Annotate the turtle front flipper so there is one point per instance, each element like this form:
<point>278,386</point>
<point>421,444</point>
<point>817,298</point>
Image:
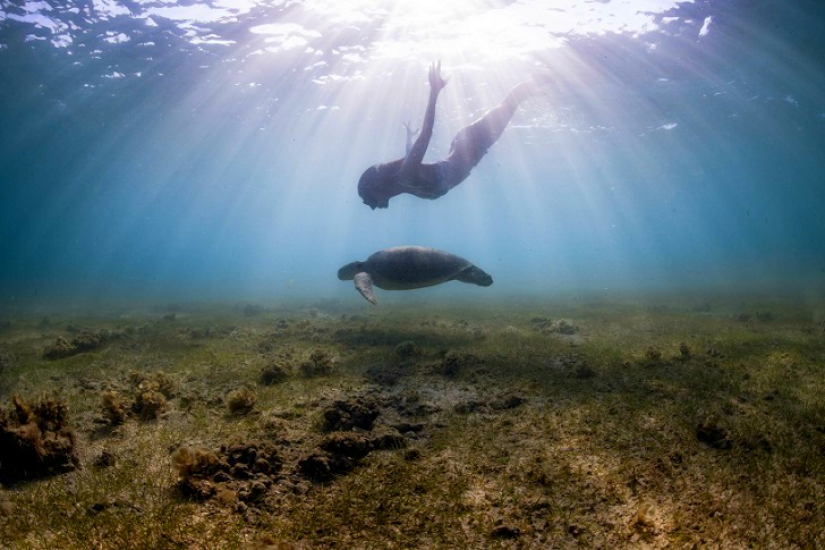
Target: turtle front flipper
<point>363,282</point>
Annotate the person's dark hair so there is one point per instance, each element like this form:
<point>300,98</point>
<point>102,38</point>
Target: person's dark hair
<point>368,187</point>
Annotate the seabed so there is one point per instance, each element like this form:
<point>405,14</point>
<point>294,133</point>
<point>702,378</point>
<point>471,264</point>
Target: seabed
<point>659,422</point>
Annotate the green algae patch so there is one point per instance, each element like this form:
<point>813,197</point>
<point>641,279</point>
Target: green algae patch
<point>588,422</point>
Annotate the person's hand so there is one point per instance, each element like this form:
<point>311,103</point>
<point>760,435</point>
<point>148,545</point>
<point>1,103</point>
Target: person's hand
<point>437,82</point>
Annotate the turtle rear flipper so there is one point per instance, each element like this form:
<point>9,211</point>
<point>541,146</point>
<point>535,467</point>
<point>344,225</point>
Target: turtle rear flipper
<point>363,282</point>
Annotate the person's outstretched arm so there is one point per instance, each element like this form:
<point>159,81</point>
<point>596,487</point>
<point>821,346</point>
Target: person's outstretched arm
<point>416,152</point>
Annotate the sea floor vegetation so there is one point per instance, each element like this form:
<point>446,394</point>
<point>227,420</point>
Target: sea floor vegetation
<point>593,422</point>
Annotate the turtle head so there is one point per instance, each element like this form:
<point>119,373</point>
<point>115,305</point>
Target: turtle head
<point>476,276</point>
<point>347,272</point>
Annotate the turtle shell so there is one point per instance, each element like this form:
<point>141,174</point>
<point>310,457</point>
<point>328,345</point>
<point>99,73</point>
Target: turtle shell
<point>408,267</point>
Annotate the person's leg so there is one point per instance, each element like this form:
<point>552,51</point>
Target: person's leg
<point>471,142</point>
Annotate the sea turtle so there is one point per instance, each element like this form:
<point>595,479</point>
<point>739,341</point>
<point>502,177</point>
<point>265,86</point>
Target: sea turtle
<point>408,267</point>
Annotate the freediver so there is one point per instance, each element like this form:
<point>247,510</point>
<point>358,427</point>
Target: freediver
<point>381,182</point>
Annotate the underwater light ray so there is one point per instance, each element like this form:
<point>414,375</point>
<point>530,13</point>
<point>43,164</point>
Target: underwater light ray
<point>713,115</point>
<point>79,153</point>
<point>642,162</point>
<point>239,131</point>
<point>299,170</point>
<point>178,186</point>
<point>562,192</point>
<point>250,179</point>
<point>321,179</point>
<point>311,134</point>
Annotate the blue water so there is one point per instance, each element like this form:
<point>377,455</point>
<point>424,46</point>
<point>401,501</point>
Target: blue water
<point>212,150</point>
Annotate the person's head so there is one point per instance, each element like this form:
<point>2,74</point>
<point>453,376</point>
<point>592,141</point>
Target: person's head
<point>371,190</point>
